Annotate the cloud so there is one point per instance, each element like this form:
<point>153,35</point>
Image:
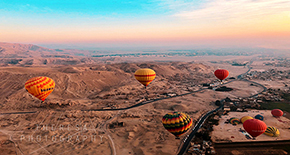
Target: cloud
<point>33,8</point>
<point>217,10</point>
<point>180,5</point>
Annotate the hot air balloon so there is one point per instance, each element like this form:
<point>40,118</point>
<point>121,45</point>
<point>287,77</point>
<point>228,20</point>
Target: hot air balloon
<point>255,127</point>
<point>259,117</point>
<point>145,76</point>
<point>40,87</point>
<point>277,112</point>
<point>221,74</point>
<point>234,121</point>
<point>272,131</point>
<point>243,119</point>
<point>177,123</point>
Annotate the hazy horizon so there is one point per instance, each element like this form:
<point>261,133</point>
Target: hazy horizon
<point>149,48</point>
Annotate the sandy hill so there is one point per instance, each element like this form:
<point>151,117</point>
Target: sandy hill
<point>83,84</point>
<point>79,88</point>
<point>32,55</point>
<point>134,131</point>
<point>14,50</point>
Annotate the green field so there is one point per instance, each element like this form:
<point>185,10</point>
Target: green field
<point>286,96</point>
<point>285,106</point>
<point>276,105</point>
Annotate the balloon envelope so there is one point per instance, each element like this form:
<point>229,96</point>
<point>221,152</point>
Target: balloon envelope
<point>243,119</point>
<point>272,131</point>
<point>277,112</point>
<point>234,121</point>
<point>40,87</point>
<point>259,117</point>
<point>255,127</point>
<point>221,73</point>
<point>177,123</point>
<point>145,76</point>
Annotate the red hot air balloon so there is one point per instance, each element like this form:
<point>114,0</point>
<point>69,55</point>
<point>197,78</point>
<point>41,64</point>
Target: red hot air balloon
<point>221,74</point>
<point>255,127</point>
<point>277,112</point>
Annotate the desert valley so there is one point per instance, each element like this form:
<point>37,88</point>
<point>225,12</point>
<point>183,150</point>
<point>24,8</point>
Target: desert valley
<point>99,108</point>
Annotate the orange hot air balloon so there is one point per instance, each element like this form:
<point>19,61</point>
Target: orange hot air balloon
<point>221,74</point>
<point>255,127</point>
<point>145,76</point>
<point>277,112</point>
<point>40,87</point>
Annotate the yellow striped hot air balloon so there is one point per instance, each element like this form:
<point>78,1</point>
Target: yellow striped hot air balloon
<point>177,123</point>
<point>145,76</point>
<point>272,131</point>
<point>40,87</point>
<point>243,119</point>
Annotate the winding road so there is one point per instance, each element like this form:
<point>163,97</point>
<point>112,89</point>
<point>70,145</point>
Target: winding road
<point>198,125</point>
<point>200,122</point>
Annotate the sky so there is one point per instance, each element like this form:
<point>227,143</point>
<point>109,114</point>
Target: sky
<point>152,23</point>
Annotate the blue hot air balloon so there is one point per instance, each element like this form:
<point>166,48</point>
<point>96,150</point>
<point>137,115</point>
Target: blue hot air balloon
<point>260,117</point>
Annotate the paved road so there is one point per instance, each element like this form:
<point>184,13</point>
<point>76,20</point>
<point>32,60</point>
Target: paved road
<point>21,112</point>
<point>145,102</point>
<point>200,122</point>
<point>195,129</point>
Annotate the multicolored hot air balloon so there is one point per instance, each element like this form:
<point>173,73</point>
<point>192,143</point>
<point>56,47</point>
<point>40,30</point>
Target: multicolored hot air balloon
<point>259,117</point>
<point>272,131</point>
<point>234,121</point>
<point>243,119</point>
<point>255,127</point>
<point>40,87</point>
<point>221,74</point>
<point>177,123</point>
<point>277,112</point>
<point>145,76</point>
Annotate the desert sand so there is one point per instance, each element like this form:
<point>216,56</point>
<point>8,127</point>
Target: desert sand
<point>84,114</point>
<point>233,134</point>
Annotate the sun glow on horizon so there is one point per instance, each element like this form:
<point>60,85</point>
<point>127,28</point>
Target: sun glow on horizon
<point>163,22</point>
